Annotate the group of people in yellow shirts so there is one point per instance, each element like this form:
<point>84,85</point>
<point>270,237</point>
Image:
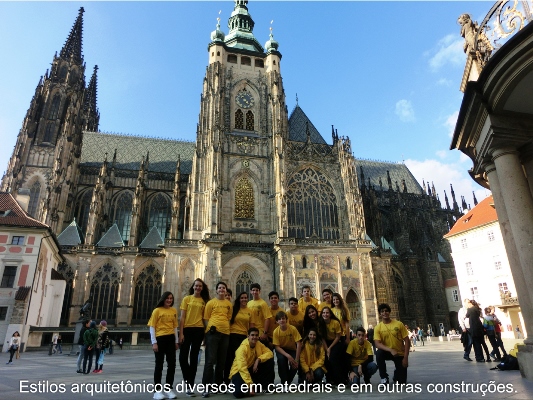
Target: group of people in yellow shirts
<point>310,339</point>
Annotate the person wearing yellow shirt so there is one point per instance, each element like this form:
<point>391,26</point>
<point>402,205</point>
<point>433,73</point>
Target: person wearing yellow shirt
<point>192,329</point>
<point>165,341</point>
<point>273,298</point>
<point>312,358</point>
<point>331,332</point>
<point>239,325</point>
<point>327,296</point>
<point>392,343</point>
<point>295,316</point>
<point>217,314</point>
<point>307,299</point>
<point>254,363</point>
<point>288,344</point>
<point>343,314</point>
<point>260,312</point>
<point>361,358</point>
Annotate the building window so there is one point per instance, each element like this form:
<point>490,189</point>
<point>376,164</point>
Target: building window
<point>122,214</point>
<point>159,214</point>
<point>232,58</point>
<point>490,234</point>
<point>239,119</point>
<point>244,199</point>
<point>35,192</point>
<point>54,108</point>
<point>503,287</point>
<point>348,263</point>
<point>469,269</point>
<point>82,209</point>
<point>497,263</point>
<point>474,293</point>
<point>17,240</point>
<point>250,121</point>
<point>243,283</point>
<point>104,293</point>
<point>8,279</point>
<point>259,63</point>
<point>3,313</point>
<point>455,295</point>
<point>304,262</point>
<point>246,61</point>
<point>49,132</point>
<point>147,292</point>
<point>463,244</point>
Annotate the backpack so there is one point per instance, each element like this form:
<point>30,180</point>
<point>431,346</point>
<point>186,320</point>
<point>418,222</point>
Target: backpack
<point>508,363</point>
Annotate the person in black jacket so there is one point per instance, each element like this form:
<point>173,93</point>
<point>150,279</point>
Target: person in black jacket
<point>90,337</point>
<point>85,326</point>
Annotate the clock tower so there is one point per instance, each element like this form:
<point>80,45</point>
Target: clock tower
<point>235,192</point>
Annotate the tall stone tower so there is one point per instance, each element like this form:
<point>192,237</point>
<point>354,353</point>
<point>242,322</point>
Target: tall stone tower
<point>48,148</point>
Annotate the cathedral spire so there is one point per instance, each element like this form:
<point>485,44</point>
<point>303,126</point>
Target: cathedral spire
<point>89,103</point>
<point>73,45</point>
<point>455,205</point>
<point>241,26</point>
<point>475,200</point>
<point>446,200</point>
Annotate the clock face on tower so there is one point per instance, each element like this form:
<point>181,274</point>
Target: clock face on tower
<point>244,99</point>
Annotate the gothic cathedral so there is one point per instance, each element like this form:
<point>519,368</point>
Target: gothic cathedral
<point>259,197</point>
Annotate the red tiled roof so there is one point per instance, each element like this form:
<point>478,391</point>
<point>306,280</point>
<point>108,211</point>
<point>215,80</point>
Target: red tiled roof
<point>481,214</point>
<point>16,216</point>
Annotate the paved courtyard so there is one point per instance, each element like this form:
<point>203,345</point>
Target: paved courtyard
<point>434,367</point>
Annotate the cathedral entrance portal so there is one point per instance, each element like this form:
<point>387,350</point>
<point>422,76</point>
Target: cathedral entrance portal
<point>354,305</point>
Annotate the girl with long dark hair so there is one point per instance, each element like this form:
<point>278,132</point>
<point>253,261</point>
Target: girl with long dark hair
<point>165,341</point>
<point>312,358</point>
<point>331,332</point>
<point>340,310</point>
<point>192,330</point>
<point>14,344</point>
<point>239,325</point>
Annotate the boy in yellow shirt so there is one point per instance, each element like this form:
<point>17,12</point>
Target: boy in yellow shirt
<point>392,343</point>
<point>306,299</point>
<point>361,358</point>
<point>260,312</point>
<point>273,298</point>
<point>288,344</point>
<point>254,363</point>
<point>295,316</point>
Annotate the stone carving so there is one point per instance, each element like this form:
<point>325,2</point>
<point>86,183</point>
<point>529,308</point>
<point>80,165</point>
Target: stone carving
<point>244,199</point>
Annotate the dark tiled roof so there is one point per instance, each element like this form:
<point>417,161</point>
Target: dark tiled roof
<point>56,276</point>
<point>111,238</point>
<point>71,236</point>
<point>378,169</point>
<point>298,123</point>
<point>16,216</point>
<point>152,240</point>
<point>131,149</point>
<point>22,293</point>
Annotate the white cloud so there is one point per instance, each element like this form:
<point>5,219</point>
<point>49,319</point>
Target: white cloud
<point>442,153</point>
<point>450,123</point>
<point>449,50</point>
<point>404,110</point>
<point>444,82</point>
<point>463,158</point>
<point>442,175</point>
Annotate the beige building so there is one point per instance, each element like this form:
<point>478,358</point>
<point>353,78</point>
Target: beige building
<point>31,290</point>
<point>495,129</point>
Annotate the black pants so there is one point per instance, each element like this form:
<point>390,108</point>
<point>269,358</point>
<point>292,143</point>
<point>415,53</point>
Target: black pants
<point>400,374</point>
<point>166,346</point>
<point>89,354</point>
<point>334,363</point>
<point>235,341</point>
<point>216,350</point>
<point>264,376</point>
<point>285,371</point>
<point>495,347</point>
<point>189,350</point>
<point>12,352</point>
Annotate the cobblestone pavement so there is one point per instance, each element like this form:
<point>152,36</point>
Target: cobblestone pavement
<point>436,369</point>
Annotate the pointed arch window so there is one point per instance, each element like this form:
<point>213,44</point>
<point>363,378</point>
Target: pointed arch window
<point>243,283</point>
<point>304,262</point>
<point>103,294</point>
<point>312,206</point>
<point>82,209</point>
<point>66,271</point>
<point>249,121</point>
<point>244,199</point>
<point>122,214</point>
<point>147,292</point>
<point>49,132</point>
<point>35,193</point>
<point>54,108</point>
<point>159,214</point>
<point>348,263</point>
<point>239,119</point>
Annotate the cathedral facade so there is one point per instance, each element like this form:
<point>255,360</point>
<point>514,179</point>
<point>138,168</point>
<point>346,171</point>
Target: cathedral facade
<point>259,197</point>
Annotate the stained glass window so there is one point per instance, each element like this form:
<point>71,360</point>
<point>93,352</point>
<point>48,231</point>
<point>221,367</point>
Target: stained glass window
<point>249,121</point>
<point>35,192</point>
<point>159,214</point>
<point>243,283</point>
<point>104,293</point>
<point>147,293</point>
<point>122,214</point>
<point>239,119</point>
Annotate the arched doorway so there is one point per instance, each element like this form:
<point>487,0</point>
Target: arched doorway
<point>354,305</point>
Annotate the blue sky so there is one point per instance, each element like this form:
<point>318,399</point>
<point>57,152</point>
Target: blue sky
<point>386,74</point>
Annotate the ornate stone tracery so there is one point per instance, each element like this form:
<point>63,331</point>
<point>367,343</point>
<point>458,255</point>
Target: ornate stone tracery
<point>148,286</point>
<point>244,199</point>
<point>104,293</point>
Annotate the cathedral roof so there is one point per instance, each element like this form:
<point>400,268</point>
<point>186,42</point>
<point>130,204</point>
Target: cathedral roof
<point>71,236</point>
<point>298,123</point>
<point>378,169</point>
<point>152,240</point>
<point>111,238</point>
<point>131,150</point>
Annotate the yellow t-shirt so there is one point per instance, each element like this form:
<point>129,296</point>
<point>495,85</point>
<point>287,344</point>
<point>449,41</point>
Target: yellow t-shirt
<point>194,308</point>
<point>302,304</point>
<point>260,312</point>
<point>324,304</point>
<point>333,328</point>
<point>218,313</point>
<point>286,339</point>
<point>309,360</point>
<point>273,324</point>
<point>242,322</point>
<point>391,335</point>
<point>338,314</point>
<point>359,352</point>
<point>297,320</point>
<point>245,357</point>
<point>164,320</point>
